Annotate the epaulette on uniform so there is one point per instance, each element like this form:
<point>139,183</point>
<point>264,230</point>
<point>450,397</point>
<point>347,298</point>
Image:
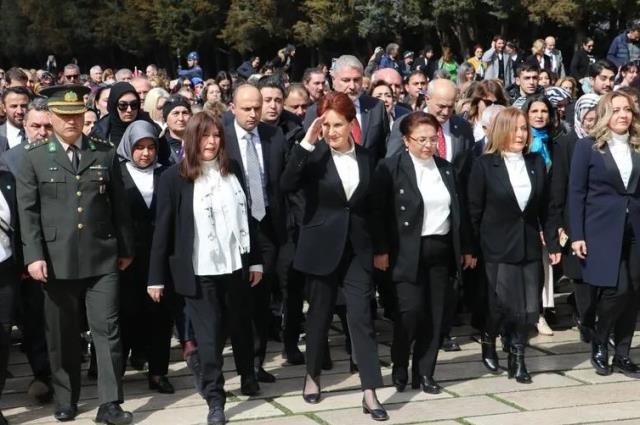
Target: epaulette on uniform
<point>103,141</point>
<point>30,146</point>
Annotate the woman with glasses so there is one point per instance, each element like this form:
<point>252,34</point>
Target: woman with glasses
<point>123,107</point>
<point>484,95</point>
<point>506,204</point>
<point>582,59</point>
<point>418,228</point>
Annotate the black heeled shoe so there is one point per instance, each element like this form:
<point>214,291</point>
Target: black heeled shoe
<point>600,359</point>
<point>429,385</point>
<point>489,355</point>
<point>376,414</point>
<point>517,368</point>
<point>626,366</point>
<point>162,385</point>
<point>399,377</point>
<point>313,398</point>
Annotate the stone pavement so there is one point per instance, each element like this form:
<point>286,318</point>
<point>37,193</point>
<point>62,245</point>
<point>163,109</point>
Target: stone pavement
<point>565,390</point>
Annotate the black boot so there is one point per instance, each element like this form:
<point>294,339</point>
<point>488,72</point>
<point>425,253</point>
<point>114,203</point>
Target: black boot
<point>600,359</point>
<point>489,355</point>
<point>517,368</point>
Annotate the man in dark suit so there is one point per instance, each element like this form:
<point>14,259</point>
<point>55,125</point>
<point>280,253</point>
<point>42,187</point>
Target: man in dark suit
<point>37,128</point>
<point>76,248</point>
<point>288,302</point>
<point>372,126</point>
<point>15,101</point>
<point>258,149</point>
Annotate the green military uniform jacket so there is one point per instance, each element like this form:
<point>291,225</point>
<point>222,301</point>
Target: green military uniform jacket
<point>78,222</point>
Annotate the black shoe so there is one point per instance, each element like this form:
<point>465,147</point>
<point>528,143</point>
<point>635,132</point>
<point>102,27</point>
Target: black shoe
<point>353,367</point>
<point>112,414</point>
<point>626,366</point>
<point>489,355</point>
<point>399,377</point>
<point>448,344</point>
<point>327,363</point>
<point>429,385</point>
<point>41,390</point>
<point>600,359</point>
<point>294,356</point>
<point>313,398</point>
<point>264,376</point>
<point>66,413</point>
<point>249,385</point>
<point>3,420</point>
<point>216,416</point>
<point>162,385</point>
<point>376,414</point>
<point>516,367</point>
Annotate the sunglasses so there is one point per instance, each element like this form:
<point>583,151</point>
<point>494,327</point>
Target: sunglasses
<point>72,77</point>
<point>487,102</point>
<point>134,105</point>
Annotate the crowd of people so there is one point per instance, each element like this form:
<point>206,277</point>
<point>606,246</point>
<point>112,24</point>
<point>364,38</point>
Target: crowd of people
<point>139,207</point>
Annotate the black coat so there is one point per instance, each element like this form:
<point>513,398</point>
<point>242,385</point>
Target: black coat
<point>580,64</point>
<point>505,232</point>
<point>171,259</point>
<point>273,153</point>
<point>533,60</point>
<point>8,189</point>
<point>398,212</point>
<point>330,220</point>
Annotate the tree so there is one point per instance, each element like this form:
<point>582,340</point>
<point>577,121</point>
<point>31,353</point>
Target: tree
<point>386,20</point>
<point>250,25</point>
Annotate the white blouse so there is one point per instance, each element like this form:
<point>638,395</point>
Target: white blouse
<point>143,179</point>
<point>518,177</point>
<point>621,152</point>
<point>347,165</point>
<point>435,197</point>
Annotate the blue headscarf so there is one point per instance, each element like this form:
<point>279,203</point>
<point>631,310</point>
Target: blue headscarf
<point>539,144</point>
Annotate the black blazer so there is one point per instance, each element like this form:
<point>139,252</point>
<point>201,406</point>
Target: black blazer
<point>599,207</point>
<point>8,189</point>
<point>533,60</point>
<point>398,212</point>
<point>506,233</point>
<point>172,247</point>
<point>374,126</point>
<point>330,220</point>
<point>273,153</point>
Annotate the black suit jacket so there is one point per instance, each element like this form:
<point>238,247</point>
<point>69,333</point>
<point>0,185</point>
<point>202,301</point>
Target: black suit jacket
<point>533,60</point>
<point>8,189</point>
<point>462,142</point>
<point>330,220</point>
<point>374,125</point>
<point>505,232</point>
<point>273,154</point>
<point>171,258</point>
<point>398,212</point>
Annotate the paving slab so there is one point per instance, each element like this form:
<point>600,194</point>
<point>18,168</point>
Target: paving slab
<point>500,384</point>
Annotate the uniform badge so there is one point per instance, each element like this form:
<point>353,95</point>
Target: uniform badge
<point>70,96</point>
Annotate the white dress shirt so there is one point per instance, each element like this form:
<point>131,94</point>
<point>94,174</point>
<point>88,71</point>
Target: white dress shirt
<point>143,179</point>
<point>347,165</point>
<point>13,135</point>
<point>518,177</point>
<point>435,197</point>
<point>5,241</point>
<point>216,248</point>
<point>242,142</point>
<point>65,147</point>
<point>619,147</point>
<point>446,130</point>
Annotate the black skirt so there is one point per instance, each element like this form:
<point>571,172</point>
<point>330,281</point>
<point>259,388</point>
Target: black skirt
<point>516,288</point>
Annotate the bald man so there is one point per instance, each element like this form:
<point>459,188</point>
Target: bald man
<point>258,149</point>
<point>142,86</point>
<point>394,80</point>
<point>557,66</point>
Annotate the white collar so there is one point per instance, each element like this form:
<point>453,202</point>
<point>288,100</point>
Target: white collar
<point>350,152</point>
<point>65,146</point>
<point>241,132</point>
<point>422,163</point>
<point>513,156</point>
<point>619,139</point>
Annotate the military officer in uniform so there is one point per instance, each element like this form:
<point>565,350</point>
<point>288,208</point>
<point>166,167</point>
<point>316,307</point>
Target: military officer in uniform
<point>76,235</point>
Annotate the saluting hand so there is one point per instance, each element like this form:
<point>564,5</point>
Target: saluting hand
<point>155,293</point>
<point>38,271</point>
<point>314,131</point>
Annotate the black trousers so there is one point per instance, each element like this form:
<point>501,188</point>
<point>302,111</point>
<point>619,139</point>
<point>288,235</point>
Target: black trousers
<point>357,289</point>
<point>146,326</point>
<point>421,306</point>
<point>292,289</point>
<point>34,340</point>
<point>586,297</point>
<point>220,300</point>
<point>63,312</point>
<point>9,282</point>
<point>617,307</point>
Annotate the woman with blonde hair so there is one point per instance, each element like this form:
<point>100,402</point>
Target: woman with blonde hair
<point>153,104</point>
<point>538,57</point>
<point>604,195</point>
<point>506,205</point>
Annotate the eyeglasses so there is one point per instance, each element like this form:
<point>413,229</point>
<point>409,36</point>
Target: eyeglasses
<point>72,77</point>
<point>424,140</point>
<point>134,105</point>
<point>488,102</point>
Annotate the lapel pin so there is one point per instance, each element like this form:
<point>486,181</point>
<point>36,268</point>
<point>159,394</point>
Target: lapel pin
<point>8,187</point>
<point>447,171</point>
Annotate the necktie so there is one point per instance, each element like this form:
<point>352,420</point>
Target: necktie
<point>356,131</point>
<point>23,136</point>
<point>254,178</point>
<point>442,144</point>
<point>75,158</point>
